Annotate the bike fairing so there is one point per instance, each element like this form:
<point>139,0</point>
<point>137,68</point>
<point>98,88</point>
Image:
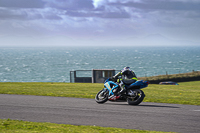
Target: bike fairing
<point>132,99</point>
<point>108,84</point>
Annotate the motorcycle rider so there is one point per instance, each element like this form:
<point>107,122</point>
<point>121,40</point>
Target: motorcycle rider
<point>127,75</point>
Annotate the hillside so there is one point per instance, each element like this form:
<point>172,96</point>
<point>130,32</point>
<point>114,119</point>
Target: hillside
<point>182,77</point>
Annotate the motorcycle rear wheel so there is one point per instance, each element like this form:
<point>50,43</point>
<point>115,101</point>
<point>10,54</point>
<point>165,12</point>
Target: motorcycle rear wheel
<point>137,99</point>
<point>102,96</point>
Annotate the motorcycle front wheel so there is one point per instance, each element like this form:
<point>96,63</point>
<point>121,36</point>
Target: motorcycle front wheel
<point>137,99</point>
<point>102,96</point>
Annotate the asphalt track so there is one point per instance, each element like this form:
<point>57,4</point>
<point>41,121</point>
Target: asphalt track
<point>80,111</point>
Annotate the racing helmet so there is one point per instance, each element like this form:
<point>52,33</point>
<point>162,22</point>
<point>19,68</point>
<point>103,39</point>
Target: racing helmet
<point>126,68</point>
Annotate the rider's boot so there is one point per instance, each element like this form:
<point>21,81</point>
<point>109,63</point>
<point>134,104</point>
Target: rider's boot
<point>123,89</point>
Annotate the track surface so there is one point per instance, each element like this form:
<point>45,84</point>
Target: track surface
<point>78,111</point>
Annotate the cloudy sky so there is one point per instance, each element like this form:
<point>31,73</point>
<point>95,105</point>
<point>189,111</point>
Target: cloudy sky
<point>99,23</point>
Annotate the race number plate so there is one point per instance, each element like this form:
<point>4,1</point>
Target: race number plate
<point>108,86</point>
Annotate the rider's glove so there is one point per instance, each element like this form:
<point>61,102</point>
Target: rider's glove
<point>112,78</point>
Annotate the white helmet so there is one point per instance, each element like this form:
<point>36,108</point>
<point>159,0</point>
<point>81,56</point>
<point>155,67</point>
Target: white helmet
<point>126,68</point>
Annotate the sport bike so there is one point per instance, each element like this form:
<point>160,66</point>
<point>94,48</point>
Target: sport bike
<point>133,94</point>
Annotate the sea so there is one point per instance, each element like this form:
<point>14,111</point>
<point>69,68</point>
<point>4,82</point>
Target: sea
<point>53,64</point>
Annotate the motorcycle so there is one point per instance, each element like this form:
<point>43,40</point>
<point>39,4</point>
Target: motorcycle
<point>133,94</point>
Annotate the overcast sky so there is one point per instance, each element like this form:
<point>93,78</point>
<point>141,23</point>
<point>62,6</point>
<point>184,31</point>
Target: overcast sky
<point>99,23</point>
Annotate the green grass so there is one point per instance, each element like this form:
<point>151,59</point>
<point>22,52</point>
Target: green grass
<point>184,93</point>
<point>16,126</point>
<point>79,90</point>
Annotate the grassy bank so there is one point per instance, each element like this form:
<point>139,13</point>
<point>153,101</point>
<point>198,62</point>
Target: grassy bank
<point>181,77</point>
<point>184,93</point>
<point>15,126</point>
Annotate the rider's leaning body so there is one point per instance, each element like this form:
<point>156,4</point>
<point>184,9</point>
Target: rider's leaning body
<point>127,75</point>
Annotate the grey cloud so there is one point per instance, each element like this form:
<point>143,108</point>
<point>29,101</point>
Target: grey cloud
<point>164,13</point>
<point>10,14</point>
<point>70,4</point>
<point>27,14</point>
<point>22,3</point>
<point>59,4</point>
<point>52,17</point>
<point>74,8</point>
<point>85,8</point>
<point>98,14</point>
<point>116,15</point>
<point>194,14</point>
<point>161,5</point>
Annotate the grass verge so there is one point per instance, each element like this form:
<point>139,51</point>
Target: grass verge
<point>182,76</point>
<point>184,93</point>
<point>15,126</point>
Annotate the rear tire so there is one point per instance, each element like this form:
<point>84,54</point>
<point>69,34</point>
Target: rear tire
<point>102,96</point>
<point>138,99</point>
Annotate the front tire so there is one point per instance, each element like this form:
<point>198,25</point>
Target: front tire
<point>136,99</point>
<point>102,96</point>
